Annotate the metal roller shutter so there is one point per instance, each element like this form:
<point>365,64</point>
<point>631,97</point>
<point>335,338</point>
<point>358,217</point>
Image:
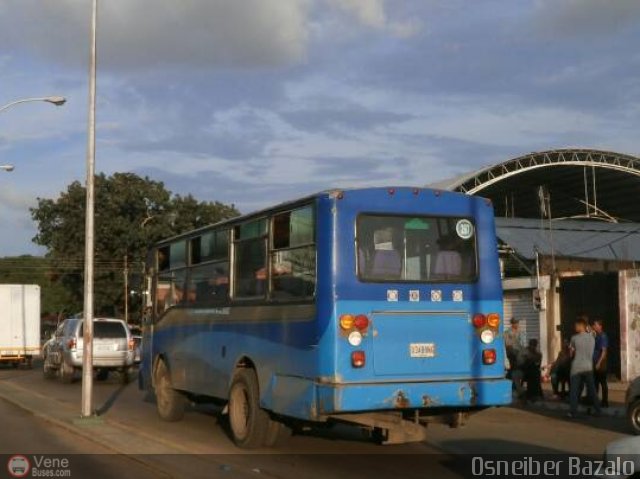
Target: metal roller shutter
<point>519,304</point>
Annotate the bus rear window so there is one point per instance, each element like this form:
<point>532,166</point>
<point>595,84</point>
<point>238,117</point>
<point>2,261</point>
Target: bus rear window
<point>416,249</point>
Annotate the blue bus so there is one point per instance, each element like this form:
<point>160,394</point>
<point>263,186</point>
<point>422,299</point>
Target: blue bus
<point>380,307</point>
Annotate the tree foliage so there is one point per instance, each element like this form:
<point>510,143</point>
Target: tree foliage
<point>36,270</point>
<point>131,213</point>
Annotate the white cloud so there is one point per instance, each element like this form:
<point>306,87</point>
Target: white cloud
<point>141,33</point>
<point>586,17</point>
<point>373,14</point>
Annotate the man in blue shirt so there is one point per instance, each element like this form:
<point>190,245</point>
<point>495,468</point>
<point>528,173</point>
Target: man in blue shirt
<point>600,353</point>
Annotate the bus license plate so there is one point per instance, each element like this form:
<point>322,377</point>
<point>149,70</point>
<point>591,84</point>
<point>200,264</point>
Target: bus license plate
<point>422,350</point>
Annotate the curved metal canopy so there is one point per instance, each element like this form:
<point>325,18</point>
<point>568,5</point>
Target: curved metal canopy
<point>578,183</point>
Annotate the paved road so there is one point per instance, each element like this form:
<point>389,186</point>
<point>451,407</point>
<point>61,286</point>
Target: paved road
<point>339,452</point>
<point>24,434</point>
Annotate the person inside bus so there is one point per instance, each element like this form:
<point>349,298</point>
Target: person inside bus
<point>448,263</point>
<point>385,261</point>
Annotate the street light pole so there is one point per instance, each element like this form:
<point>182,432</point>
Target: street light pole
<point>87,355</point>
<point>55,100</point>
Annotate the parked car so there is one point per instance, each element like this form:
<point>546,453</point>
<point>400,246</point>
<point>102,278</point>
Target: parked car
<point>622,458</point>
<point>632,400</point>
<point>113,349</point>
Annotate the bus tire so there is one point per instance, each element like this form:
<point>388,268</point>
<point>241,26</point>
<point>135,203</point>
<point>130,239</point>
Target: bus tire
<point>248,422</point>
<point>170,404</point>
<point>633,415</point>
<point>277,434</point>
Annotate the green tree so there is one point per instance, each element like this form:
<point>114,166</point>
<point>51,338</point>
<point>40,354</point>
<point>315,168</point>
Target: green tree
<point>131,214</point>
<point>36,270</point>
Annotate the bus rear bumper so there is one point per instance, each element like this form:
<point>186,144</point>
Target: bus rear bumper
<point>341,398</point>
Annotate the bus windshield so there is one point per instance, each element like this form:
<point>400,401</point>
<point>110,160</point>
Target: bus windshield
<point>416,249</point>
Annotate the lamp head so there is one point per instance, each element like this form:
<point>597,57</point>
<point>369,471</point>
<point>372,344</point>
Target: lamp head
<point>56,100</point>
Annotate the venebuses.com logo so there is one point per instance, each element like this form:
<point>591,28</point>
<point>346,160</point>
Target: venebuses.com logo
<point>18,466</point>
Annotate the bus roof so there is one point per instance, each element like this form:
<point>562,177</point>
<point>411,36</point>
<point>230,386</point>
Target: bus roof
<point>287,204</point>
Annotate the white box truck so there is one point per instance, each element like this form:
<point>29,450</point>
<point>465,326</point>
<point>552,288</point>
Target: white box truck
<point>19,323</point>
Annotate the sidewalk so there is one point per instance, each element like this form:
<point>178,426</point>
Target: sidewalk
<point>614,410</point>
<point>616,407</point>
<point>155,453</point>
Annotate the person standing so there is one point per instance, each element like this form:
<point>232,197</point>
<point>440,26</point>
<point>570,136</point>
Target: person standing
<point>514,344</point>
<point>560,372</point>
<point>531,368</point>
<point>600,354</point>
<point>582,349</point>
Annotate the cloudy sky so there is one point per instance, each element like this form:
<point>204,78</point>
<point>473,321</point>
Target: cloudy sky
<point>256,101</point>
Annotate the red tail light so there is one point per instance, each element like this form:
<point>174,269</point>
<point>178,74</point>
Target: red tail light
<point>132,344</point>
<point>71,344</point>
<point>489,356</point>
<point>479,320</point>
<point>361,322</point>
<point>358,359</point>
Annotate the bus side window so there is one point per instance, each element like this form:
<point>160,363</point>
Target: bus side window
<point>209,283</point>
<point>170,290</point>
<point>293,255</point>
<point>250,259</point>
<point>209,272</point>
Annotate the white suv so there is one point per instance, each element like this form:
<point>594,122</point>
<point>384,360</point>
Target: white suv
<point>113,349</point>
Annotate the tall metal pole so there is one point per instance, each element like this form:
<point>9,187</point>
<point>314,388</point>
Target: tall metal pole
<point>126,290</point>
<point>87,355</point>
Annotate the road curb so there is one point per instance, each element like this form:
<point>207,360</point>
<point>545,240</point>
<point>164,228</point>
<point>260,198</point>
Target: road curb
<point>69,426</point>
<point>107,433</point>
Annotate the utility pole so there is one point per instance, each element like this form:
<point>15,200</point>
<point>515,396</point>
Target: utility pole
<point>126,290</point>
<point>87,351</point>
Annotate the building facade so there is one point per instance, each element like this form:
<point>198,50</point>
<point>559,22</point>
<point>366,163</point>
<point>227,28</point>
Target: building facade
<point>568,227</point>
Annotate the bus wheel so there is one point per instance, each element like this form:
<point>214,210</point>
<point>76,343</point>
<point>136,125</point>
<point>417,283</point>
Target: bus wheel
<point>277,434</point>
<point>170,403</point>
<point>249,423</point>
